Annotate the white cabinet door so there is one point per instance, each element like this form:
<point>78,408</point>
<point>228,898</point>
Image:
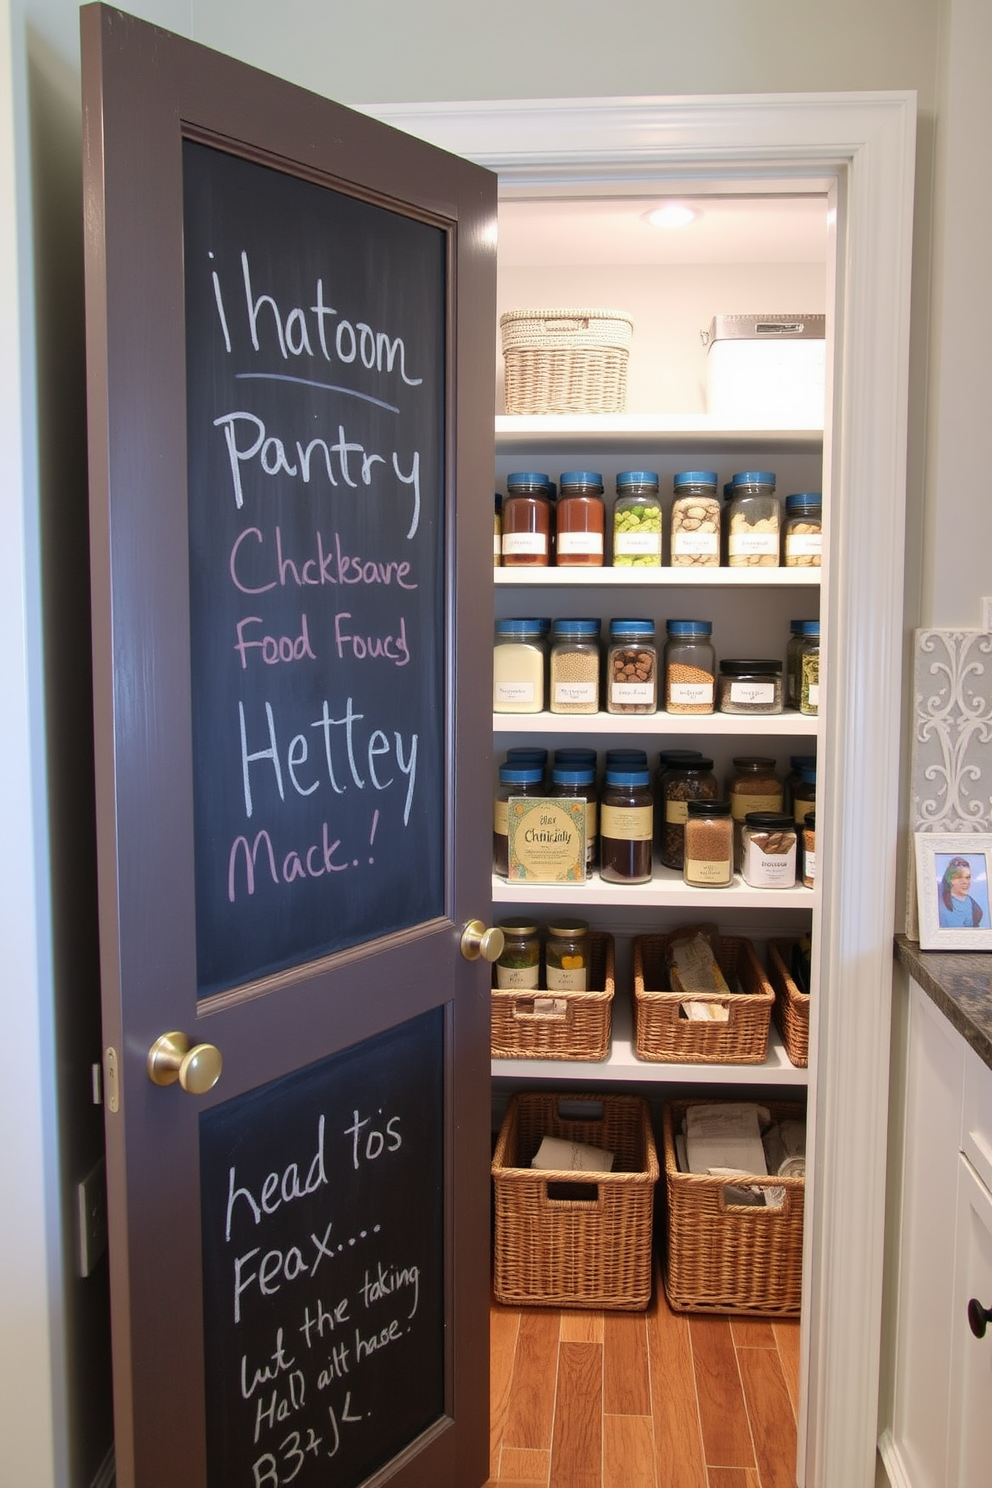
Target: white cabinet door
<point>971,1383</point>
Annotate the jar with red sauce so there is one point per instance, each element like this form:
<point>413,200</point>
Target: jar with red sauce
<point>581,520</point>
<point>527,520</point>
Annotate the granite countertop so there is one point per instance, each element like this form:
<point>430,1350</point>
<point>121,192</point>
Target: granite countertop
<point>960,983</point>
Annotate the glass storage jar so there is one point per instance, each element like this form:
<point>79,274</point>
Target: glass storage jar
<point>695,520</point>
<point>580,523</point>
<point>708,862</point>
<point>514,780</point>
<point>519,656</point>
<point>752,687</point>
<point>802,530</point>
<point>809,670</point>
<point>792,661</point>
<point>753,520</point>
<point>527,520</point>
<point>626,827</point>
<point>753,785</point>
<point>520,964</point>
<point>797,762</point>
<point>574,669</point>
<point>690,666</point>
<point>566,956</point>
<point>498,531</point>
<point>574,781</point>
<point>692,780</point>
<point>637,520</point>
<point>632,667</point>
<point>809,849</point>
<point>768,850</point>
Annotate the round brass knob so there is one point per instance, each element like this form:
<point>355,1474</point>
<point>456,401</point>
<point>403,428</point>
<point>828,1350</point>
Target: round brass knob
<point>478,940</point>
<point>197,1067</point>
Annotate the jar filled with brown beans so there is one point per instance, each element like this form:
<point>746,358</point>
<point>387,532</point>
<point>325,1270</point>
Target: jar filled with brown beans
<point>632,667</point>
<point>690,667</point>
<point>695,520</point>
<point>690,780</point>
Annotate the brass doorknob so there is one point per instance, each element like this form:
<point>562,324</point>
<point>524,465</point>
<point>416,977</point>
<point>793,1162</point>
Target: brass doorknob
<point>197,1067</point>
<point>478,940</point>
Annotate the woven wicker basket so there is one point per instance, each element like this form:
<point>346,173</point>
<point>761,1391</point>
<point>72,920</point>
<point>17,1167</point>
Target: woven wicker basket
<point>662,1033</point>
<point>565,361</point>
<point>791,1011</point>
<point>723,1257</point>
<point>578,1024</point>
<point>580,1239</point>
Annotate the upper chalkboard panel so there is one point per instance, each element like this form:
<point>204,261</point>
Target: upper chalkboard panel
<point>315,326</point>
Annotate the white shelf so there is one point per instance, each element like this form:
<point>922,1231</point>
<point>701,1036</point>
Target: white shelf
<point>658,578</point>
<point>775,725</point>
<point>622,1065</point>
<point>609,430</point>
<point>667,889</point>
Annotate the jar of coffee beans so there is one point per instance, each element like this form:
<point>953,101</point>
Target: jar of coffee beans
<point>632,667</point>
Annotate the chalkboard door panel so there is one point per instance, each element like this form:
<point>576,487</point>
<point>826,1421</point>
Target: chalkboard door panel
<point>290,325</point>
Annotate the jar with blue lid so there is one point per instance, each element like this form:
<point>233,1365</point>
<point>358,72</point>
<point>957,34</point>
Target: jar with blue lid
<point>575,666</point>
<point>802,531</point>
<point>637,520</point>
<point>695,520</point>
<point>626,827</point>
<point>690,667</point>
<point>527,520</point>
<point>514,780</point>
<point>753,521</point>
<point>577,782</point>
<point>519,659</point>
<point>580,525</point>
<point>632,667</point>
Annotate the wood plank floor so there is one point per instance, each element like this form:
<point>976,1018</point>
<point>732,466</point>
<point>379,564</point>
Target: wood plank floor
<point>642,1400</point>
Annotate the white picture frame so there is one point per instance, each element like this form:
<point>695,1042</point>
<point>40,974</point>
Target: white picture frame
<point>952,884</point>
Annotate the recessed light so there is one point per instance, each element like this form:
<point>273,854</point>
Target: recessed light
<point>671,214</point>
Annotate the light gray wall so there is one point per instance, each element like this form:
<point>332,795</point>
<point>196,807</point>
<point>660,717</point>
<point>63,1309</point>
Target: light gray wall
<point>378,50</point>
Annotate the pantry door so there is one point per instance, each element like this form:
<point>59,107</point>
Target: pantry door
<point>290,312</point>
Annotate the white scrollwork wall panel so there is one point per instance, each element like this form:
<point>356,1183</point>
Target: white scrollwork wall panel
<point>952,731</point>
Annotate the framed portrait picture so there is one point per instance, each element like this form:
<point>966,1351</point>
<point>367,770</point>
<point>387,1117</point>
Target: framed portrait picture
<point>952,884</point>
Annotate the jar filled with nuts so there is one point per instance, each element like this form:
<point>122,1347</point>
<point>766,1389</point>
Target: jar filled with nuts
<point>768,850</point>
<point>691,780</point>
<point>574,666</point>
<point>753,521</point>
<point>802,531</point>
<point>632,667</point>
<point>690,667</point>
<point>695,520</point>
<point>709,852</point>
<point>637,520</point>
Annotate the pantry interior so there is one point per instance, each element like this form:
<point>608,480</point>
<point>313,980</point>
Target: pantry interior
<point>833,173</point>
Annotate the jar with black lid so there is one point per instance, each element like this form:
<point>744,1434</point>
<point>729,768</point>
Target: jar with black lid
<point>527,755</point>
<point>519,966</point>
<point>626,827</point>
<point>690,780</point>
<point>708,860</point>
<point>632,667</point>
<point>514,780</point>
<point>580,524</point>
<point>527,520</point>
<point>575,666</point>
<point>695,520</point>
<point>576,782</point>
<point>637,520</point>
<point>750,687</point>
<point>753,521</point>
<point>690,667</point>
<point>802,531</point>
<point>768,850</point>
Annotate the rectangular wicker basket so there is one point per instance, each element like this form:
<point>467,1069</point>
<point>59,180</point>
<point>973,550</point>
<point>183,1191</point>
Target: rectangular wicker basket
<point>574,1239</point>
<point>662,1033</point>
<point>791,1011</point>
<point>722,1257</point>
<point>576,1025</point>
<point>565,361</point>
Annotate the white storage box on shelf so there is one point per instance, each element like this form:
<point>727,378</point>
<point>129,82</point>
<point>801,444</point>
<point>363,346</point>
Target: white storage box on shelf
<point>766,370</point>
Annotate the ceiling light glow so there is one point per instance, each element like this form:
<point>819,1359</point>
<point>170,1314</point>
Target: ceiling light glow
<point>671,214</point>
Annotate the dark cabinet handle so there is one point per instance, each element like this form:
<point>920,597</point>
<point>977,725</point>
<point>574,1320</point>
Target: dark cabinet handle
<point>978,1316</point>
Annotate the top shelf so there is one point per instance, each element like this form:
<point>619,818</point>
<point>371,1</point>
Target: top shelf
<point>567,431</point>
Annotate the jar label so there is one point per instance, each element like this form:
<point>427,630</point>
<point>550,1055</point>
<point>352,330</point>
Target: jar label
<point>576,692</point>
<point>741,804</point>
<point>743,543</point>
<point>525,542</point>
<point>512,978</point>
<point>637,543</point>
<point>628,823</point>
<point>677,812</point>
<point>764,870</point>
<point>695,542</point>
<point>802,809</point>
<point>809,866</point>
<point>501,816</point>
<point>580,542</point>
<point>631,692</point>
<point>691,694</point>
<point>514,692</point>
<point>706,871</point>
<point>561,979</point>
<point>803,544</point>
<point>756,694</point>
<point>813,696</point>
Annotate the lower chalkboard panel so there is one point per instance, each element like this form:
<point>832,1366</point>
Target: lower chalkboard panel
<point>322,1219</point>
